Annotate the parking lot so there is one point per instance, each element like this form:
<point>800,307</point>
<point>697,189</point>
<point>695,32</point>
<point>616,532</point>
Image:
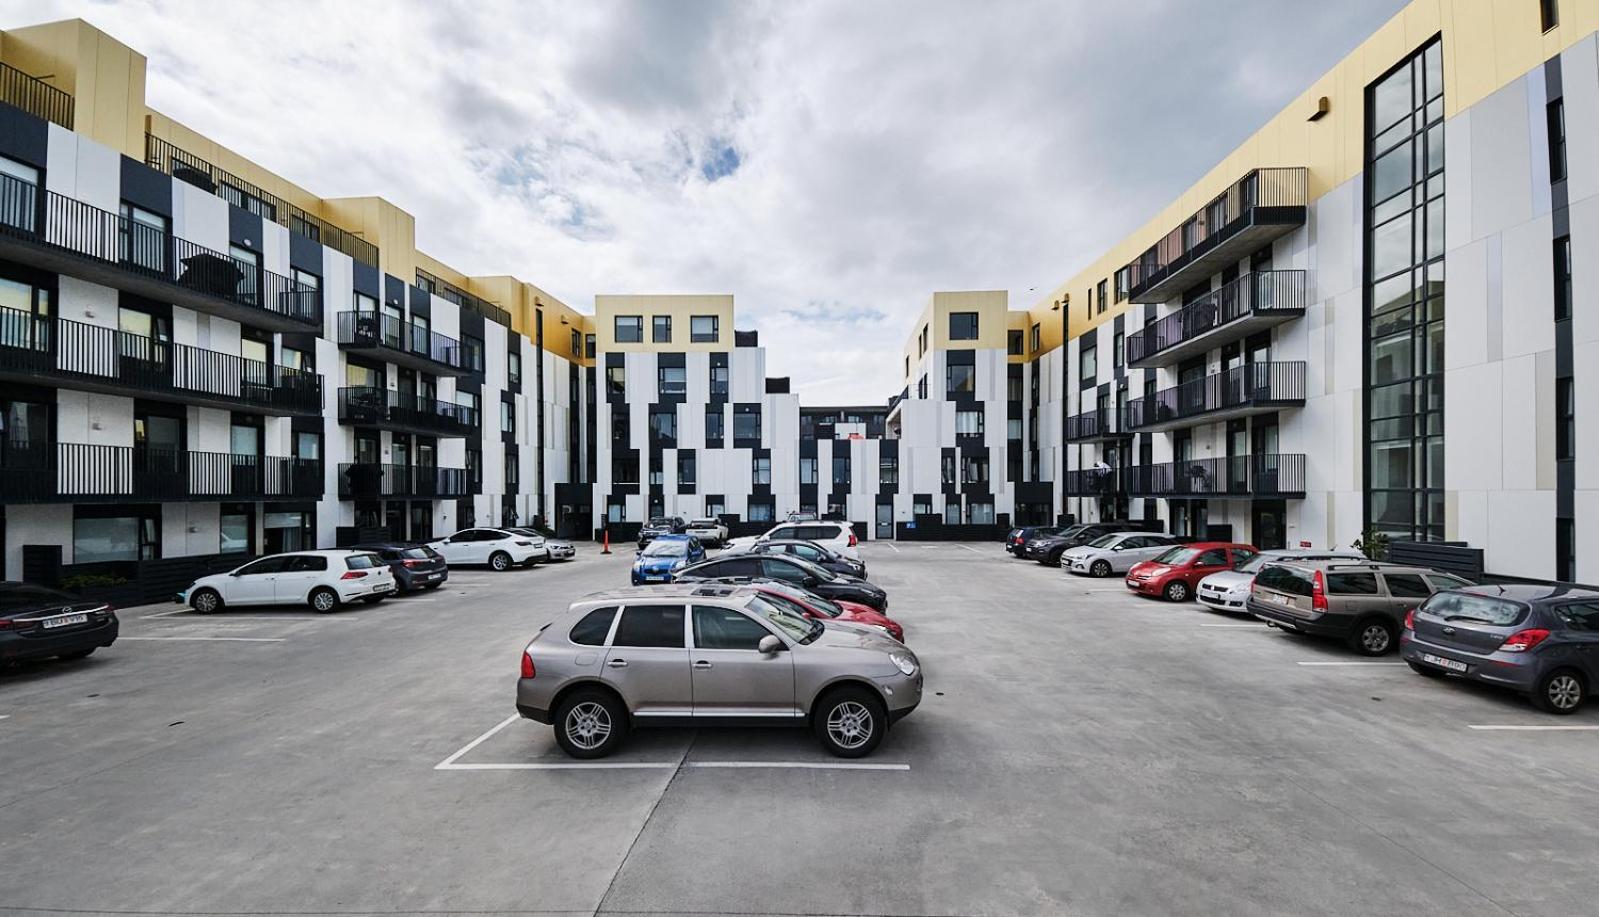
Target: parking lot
<point>1078,751</point>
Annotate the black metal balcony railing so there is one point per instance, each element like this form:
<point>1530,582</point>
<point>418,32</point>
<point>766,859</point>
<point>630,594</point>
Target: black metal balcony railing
<point>35,96</point>
<point>401,338</point>
<point>1268,475</point>
<point>187,167</point>
<point>1100,423</point>
<point>105,359</point>
<point>1228,313</point>
<point>374,481</point>
<point>1271,201</point>
<point>1232,392</point>
<point>371,406</point>
<point>167,264</point>
<point>436,286</point>
<point>82,473</point>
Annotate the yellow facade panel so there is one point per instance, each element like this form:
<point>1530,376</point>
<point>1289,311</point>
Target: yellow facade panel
<point>679,306</point>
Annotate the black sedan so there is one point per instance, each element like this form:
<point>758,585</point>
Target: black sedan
<point>37,623</point>
<point>813,552</point>
<point>414,566</point>
<point>802,573</point>
<point>661,525</point>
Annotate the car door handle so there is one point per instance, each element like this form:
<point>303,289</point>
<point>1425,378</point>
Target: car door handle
<point>617,663</point>
<point>702,664</point>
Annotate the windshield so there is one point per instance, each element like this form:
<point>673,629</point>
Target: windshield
<point>795,625</point>
<point>660,521</point>
<point>1104,541</point>
<point>666,549</point>
<point>1480,609</point>
<point>1177,556</point>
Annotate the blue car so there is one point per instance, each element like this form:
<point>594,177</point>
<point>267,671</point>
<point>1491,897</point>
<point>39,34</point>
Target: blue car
<point>664,556</point>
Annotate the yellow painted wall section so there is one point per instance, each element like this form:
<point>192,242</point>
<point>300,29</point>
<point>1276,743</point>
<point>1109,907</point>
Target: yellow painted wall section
<point>681,307</point>
<point>991,307</point>
<point>1486,44</point>
<point>104,76</point>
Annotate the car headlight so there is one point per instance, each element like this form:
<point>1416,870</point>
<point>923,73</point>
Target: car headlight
<point>905,662</point>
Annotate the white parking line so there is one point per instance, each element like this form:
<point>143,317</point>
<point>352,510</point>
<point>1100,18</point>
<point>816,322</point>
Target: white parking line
<point>1233,625</point>
<point>894,546</point>
<point>216,639</point>
<point>162,614</point>
<point>803,765</point>
<point>970,548</point>
<point>1349,663</point>
<point>560,766</point>
<point>447,762</point>
<point>1496,728</point>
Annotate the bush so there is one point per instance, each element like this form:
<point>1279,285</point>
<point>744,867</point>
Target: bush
<point>88,580</point>
<point>1373,544</point>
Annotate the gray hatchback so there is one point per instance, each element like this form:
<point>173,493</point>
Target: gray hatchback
<point>706,654</point>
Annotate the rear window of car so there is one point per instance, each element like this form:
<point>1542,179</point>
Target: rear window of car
<point>591,631</point>
<point>1352,584</point>
<point>650,625</point>
<point>361,561</point>
<point>1464,606</point>
<point>309,563</point>
<point>416,554</point>
<point>17,598</point>
<point>1284,579</point>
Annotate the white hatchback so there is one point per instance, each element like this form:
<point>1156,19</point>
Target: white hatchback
<point>500,549</point>
<point>837,536</point>
<point>1115,553</point>
<point>322,579</point>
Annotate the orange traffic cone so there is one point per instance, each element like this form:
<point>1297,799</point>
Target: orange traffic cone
<point>606,549</point>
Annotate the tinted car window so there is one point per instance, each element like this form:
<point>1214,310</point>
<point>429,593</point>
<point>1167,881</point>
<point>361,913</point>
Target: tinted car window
<point>818,532</point>
<point>1463,606</point>
<point>309,564</point>
<point>1406,586</point>
<point>14,598</point>
<point>650,625</point>
<point>732,566</point>
<point>1579,616</point>
<point>725,629</point>
<point>354,562</point>
<point>1283,579</point>
<point>807,552</point>
<point>786,531</point>
<point>1242,556</point>
<point>417,554</point>
<point>592,629</point>
<point>1445,581</point>
<point>780,569</point>
<point>1352,584</point>
<point>265,565</point>
<point>1215,557</point>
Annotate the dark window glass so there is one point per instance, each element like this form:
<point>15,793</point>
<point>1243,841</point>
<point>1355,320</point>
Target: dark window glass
<point>963,326</point>
<point>1580,615</point>
<point>1557,140</point>
<point>1548,14</point>
<point>1283,579</point>
<point>713,422</point>
<point>650,625</point>
<point>1565,419</point>
<point>307,563</point>
<point>1088,363</point>
<point>1013,347</point>
<point>592,630</point>
<point>960,378</point>
<point>1562,278</point>
<point>778,568</point>
<point>1215,557</point>
<point>1406,586</point>
<point>661,329</point>
<point>1352,584</point>
<point>266,565</point>
<point>725,629</point>
<point>629,329</point>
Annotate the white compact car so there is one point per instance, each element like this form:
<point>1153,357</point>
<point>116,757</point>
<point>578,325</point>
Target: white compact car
<point>500,549</point>
<point>1115,553</point>
<point>837,536</point>
<point>710,532</point>
<point>1229,589</point>
<point>322,579</point>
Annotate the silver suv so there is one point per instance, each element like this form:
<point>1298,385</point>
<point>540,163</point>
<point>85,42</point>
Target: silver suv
<point>1362,603</point>
<point>707,654</point>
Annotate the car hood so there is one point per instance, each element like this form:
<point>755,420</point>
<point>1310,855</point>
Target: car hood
<point>1230,580</point>
<point>1082,550</point>
<point>844,635</point>
<point>660,563</point>
<point>1150,568</point>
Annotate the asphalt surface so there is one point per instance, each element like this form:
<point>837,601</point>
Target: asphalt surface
<point>1079,751</point>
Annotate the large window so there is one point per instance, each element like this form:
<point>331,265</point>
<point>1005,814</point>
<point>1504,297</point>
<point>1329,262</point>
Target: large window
<point>974,469</point>
<point>1088,361</point>
<point>1405,298</point>
<point>947,470</point>
<point>19,194</point>
<point>673,380</point>
<point>960,377</point>
<point>841,469</point>
<point>980,513</point>
<point>968,423</point>
<point>963,326</point>
<point>760,470</point>
<point>629,329</point>
<point>746,426</point>
<point>704,329</point>
<point>661,329</point>
<point>807,469</point>
<point>99,536</point>
<point>1013,347</point>
<point>888,469</point>
<point>719,380</point>
<point>663,424</point>
<point>143,239</point>
<point>713,423</point>
<point>616,380</point>
<point>685,468</point>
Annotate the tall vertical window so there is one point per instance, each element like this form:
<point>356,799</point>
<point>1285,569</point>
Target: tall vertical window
<point>960,377</point>
<point>1088,362</point>
<point>1548,14</point>
<point>713,424</point>
<point>1037,337</point>
<point>1562,278</point>
<point>1117,343</point>
<point>718,380</point>
<point>1101,295</point>
<point>1013,345</point>
<point>761,471</point>
<point>888,469</point>
<point>1556,113</point>
<point>1565,549</point>
<point>661,329</point>
<point>1565,420</point>
<point>808,469</point>
<point>841,469</point>
<point>1405,299</point>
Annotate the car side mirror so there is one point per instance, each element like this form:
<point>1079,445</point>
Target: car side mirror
<point>769,645</point>
<point>1116,547</point>
<point>809,581</point>
<point>236,573</point>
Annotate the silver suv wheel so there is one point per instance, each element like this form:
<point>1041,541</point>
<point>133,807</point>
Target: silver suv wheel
<point>850,725</point>
<point>588,725</point>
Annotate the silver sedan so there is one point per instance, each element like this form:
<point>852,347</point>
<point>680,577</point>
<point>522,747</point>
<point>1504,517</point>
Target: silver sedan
<point>1115,553</point>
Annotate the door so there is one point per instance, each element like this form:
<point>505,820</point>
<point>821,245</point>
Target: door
<point>463,548</point>
<point>1355,594</point>
<point>733,678</point>
<point>1266,528</point>
<point>885,520</point>
<point>158,467</point>
<point>255,584</point>
<point>1406,591</point>
<point>648,662</point>
<point>1213,560</point>
<point>299,576</point>
<point>244,448</point>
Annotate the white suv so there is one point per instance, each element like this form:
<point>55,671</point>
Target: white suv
<point>834,535</point>
<point>500,549</point>
<point>708,531</point>
<point>322,579</point>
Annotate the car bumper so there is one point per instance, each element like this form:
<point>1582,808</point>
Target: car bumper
<point>1517,671</point>
<point>654,576</point>
<point>901,694</point>
<point>562,552</point>
<point>16,647</point>
<point>1223,601</point>
<point>357,589</point>
<point>1146,586</point>
<point>416,579</point>
<point>535,714</point>
<point>1321,625</point>
<point>1077,565</point>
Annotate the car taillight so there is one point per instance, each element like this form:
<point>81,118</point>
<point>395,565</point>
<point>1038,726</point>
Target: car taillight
<point>852,541</point>
<point>353,574</point>
<point>1318,592</point>
<point>410,563</point>
<point>1524,640</point>
<point>7,623</point>
<point>527,665</point>
<point>525,544</point>
<point>1410,619</point>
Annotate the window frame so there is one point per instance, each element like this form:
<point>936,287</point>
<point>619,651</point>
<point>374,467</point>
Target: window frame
<point>660,329</point>
<point>962,332</point>
<point>696,336</point>
<point>636,331</point>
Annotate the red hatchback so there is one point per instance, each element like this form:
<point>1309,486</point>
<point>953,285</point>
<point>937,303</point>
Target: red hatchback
<point>814,606</point>
<point>1175,575</point>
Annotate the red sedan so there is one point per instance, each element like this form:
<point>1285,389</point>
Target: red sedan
<point>814,606</point>
<point>1175,575</point>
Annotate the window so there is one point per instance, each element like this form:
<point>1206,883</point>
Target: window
<point>1565,420</point>
<point>704,329</point>
<point>1562,278</point>
<point>588,346</point>
<point>630,329</point>
<point>952,512</point>
<point>577,343</point>
<point>921,389</point>
<point>1556,114</point>
<point>921,506</point>
<point>507,417</point>
<point>719,380</point>
<point>1124,283</point>
<point>19,194</point>
<point>624,466</point>
<point>595,626</point>
<point>661,329</point>
<point>746,426</point>
<point>761,471</point>
<point>472,353</point>
<point>122,537</point>
<point>960,378</point>
<point>840,469</point>
<point>968,423</point>
<point>1013,387</point>
<point>290,358</point>
<point>1116,345</point>
<point>714,508</point>
<point>1102,285</point>
<point>1013,345</point>
<point>1565,550</point>
<point>1088,363</point>
<point>650,625</point>
<point>974,469</point>
<point>980,513</point>
<point>663,424</point>
<point>1549,13</point>
<point>657,479</point>
<point>1352,584</point>
<point>807,470</point>
<point>760,512</point>
<point>513,367</point>
<point>1037,337</point>
<point>726,629</point>
<point>513,471</point>
<point>616,380</point>
<point>143,239</point>
<point>673,380</point>
<point>713,423</point>
<point>1013,428</point>
<point>963,326</point>
<point>888,469</point>
<point>469,401</point>
<point>947,469</point>
<point>615,510</point>
<point>474,467</point>
<point>921,342</point>
<point>907,367</point>
<point>685,468</point>
<point>1406,586</point>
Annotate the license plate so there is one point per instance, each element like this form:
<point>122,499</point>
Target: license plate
<point>1132,583</point>
<point>382,587</point>
<point>1439,661</point>
<point>1281,599</point>
<point>65,621</point>
<point>434,576</point>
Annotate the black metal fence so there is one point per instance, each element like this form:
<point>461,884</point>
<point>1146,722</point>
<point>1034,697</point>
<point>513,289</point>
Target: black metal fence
<point>436,286</point>
<point>371,329</point>
<point>86,473</point>
<point>1265,384</point>
<point>1095,424</point>
<point>1219,219</point>
<point>187,167</point>
<point>369,405</point>
<point>1280,293</point>
<point>35,96</point>
<point>1267,475</point>
<point>375,481</point>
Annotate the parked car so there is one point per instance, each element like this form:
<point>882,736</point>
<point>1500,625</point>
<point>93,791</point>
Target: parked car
<point>559,548</point>
<point>414,566</point>
<point>500,549</point>
<point>1115,553</point>
<point>1175,573</point>
<point>815,606</point>
<point>37,622</point>
<point>1047,549</point>
<point>837,537</point>
<point>704,654</point>
<point>322,579</point>
<point>1363,603</point>
<point>1016,540</point>
<point>665,555</point>
<point>1539,640</point>
<point>1228,590</point>
<point>789,569</point>
<point>661,525</point>
<point>813,552</point>
<point>801,517</point>
<point>710,531</point>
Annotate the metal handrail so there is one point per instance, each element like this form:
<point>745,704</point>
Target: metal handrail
<point>82,472</point>
<point>1271,187</point>
<point>1262,292</point>
<point>374,480</point>
<point>1264,475</point>
<point>372,329</point>
<point>365,404</point>
<point>437,286</point>
<point>1089,424</point>
<point>1251,383</point>
<point>35,96</point>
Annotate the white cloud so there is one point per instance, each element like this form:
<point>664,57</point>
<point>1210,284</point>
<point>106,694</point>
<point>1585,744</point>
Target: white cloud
<point>884,150</point>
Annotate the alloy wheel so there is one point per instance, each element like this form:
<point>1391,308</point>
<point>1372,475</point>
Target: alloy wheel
<point>1177,591</point>
<point>1564,692</point>
<point>323,601</point>
<point>850,725</point>
<point>1375,639</point>
<point>205,603</point>
<point>588,725</point>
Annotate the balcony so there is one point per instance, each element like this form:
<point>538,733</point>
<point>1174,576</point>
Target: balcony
<point>35,96</point>
<point>1260,207</point>
<point>443,289</point>
<point>69,237</point>
<point>1249,304</point>
<point>80,473</point>
<point>1255,388</point>
<point>99,359</point>
<point>391,410</point>
<point>1096,426</point>
<point>393,340</point>
<point>186,167</point>
<point>374,481</point>
<point>1269,475</point>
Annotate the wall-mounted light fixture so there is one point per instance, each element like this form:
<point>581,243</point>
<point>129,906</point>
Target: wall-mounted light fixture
<point>1322,107</point>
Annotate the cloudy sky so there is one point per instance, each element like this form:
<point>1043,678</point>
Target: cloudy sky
<point>830,163</point>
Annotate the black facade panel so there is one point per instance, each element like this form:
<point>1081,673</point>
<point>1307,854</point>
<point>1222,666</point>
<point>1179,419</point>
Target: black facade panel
<point>393,290</point>
<point>26,138</point>
<point>244,228</point>
<point>421,302</point>
<point>305,254</point>
<point>472,322</point>
<point>365,280</point>
<point>144,187</point>
<point>676,359</point>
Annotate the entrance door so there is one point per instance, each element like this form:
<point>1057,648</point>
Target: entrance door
<point>885,520</point>
<point>245,445</point>
<point>1267,525</point>
<point>158,468</point>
